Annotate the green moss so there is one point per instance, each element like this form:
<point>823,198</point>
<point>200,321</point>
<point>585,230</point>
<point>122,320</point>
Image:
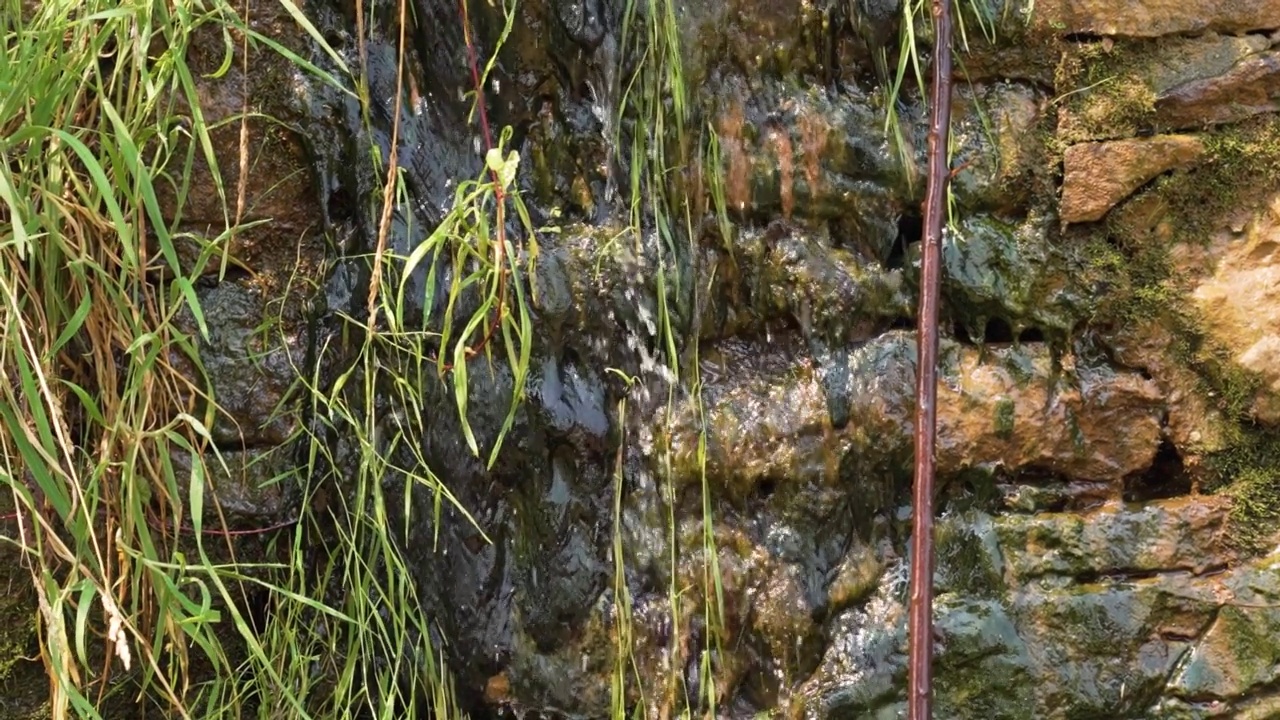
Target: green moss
<point>981,643</point>
<point>1130,255</point>
<point>1250,640</point>
<point>1248,471</point>
<point>1130,250</point>
<point>1004,419</point>
<point>968,559</point>
<point>1107,93</point>
<point>1243,166</point>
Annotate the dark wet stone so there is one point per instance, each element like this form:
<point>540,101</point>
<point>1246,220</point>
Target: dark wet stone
<point>251,488</point>
<point>1166,536</point>
<point>252,358</point>
<point>798,328</point>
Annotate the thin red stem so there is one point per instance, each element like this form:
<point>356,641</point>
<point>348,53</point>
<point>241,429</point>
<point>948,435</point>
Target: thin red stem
<point>920,630</point>
<point>499,194</point>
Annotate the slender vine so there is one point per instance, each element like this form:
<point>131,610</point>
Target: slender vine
<point>920,673</point>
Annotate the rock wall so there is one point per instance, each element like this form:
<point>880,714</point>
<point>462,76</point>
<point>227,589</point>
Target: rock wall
<point>1110,395</point>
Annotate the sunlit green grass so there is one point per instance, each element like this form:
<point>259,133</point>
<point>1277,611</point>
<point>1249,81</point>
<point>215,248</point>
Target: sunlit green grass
<point>90,286</point>
<point>914,26</point>
<point>664,154</point>
<point>100,117</point>
<point>374,646</point>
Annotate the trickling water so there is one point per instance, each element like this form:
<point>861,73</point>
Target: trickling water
<point>605,100</point>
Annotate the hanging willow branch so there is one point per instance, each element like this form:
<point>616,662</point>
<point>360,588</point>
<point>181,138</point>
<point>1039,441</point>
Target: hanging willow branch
<point>920,630</point>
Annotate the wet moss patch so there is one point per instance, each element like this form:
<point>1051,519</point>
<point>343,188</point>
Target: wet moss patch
<point>1149,250</point>
<point>1104,93</point>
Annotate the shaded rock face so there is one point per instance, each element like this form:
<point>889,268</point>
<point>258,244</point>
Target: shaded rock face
<point>256,282</point>
<point>1108,359</point>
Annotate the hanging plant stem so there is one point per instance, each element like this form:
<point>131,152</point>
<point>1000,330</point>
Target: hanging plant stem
<point>920,629</point>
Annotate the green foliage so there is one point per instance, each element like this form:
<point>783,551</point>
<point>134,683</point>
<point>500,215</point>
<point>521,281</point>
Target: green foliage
<point>376,644</point>
<point>100,115</point>
<point>665,183</point>
<point>93,405</point>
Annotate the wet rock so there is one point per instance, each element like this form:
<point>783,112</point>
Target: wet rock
<point>251,360</point>
<point>1106,649</point>
<point>1250,87</point>
<point>807,393</point>
<point>1120,89</point>
<point>864,668</point>
<point>856,576</point>
<point>583,20</point>
<point>1012,409</point>
<point>998,146</point>
<point>1233,658</point>
<point>864,661</point>
<point>1241,305</point>
<point>1264,704</point>
<point>999,408</point>
<point>1153,18</point>
<point>565,157</point>
<point>265,179</point>
<point>814,153</point>
<point>1166,536</point>
<point>760,39</point>
<point>1012,273</point>
<point>970,562</point>
<point>250,488</point>
<point>514,572</point>
<point>1194,424</point>
<point>784,621</point>
<point>1099,175</point>
<point>978,640</point>
<point>876,21</point>
<point>831,293</point>
<point>1218,668</point>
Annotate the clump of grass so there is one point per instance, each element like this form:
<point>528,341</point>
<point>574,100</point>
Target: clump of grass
<point>90,285</point>
<point>375,643</point>
<point>914,31</point>
<point>94,405</point>
<point>666,193</point>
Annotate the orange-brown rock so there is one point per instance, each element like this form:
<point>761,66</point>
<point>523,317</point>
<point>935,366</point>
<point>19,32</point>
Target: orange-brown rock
<point>1154,18</point>
<point>1240,304</point>
<point>1002,407</point>
<point>1098,175</point>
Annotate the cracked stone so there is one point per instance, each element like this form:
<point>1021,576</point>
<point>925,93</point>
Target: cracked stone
<point>1171,535</point>
<point>1099,175</point>
<point>1154,18</point>
<point>1250,87</point>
